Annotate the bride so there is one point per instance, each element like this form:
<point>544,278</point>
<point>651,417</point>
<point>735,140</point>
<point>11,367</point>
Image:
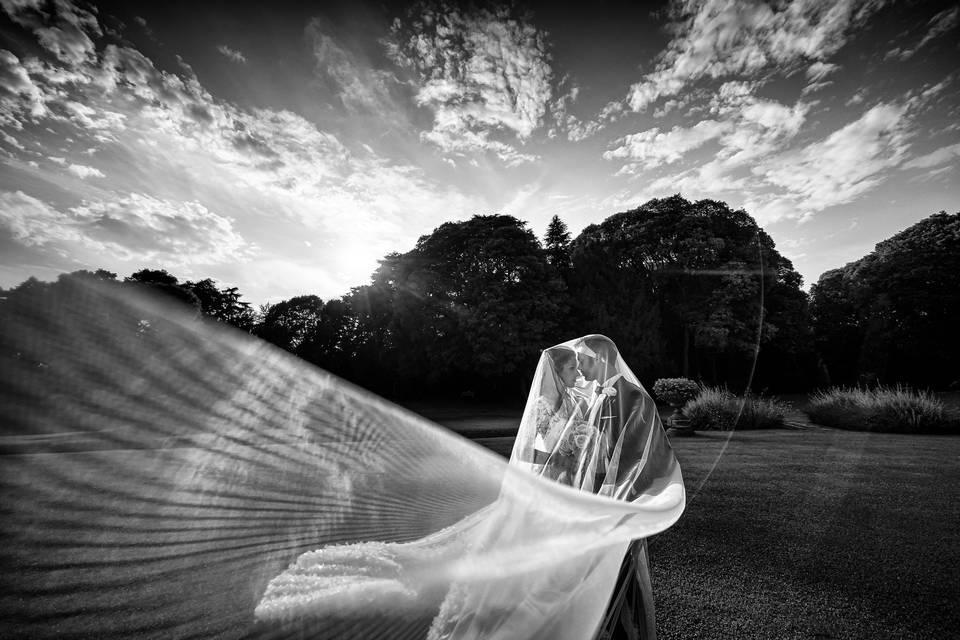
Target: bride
<point>541,560</point>
<point>556,410</point>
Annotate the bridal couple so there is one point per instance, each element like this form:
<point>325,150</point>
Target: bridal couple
<point>600,434</point>
<point>561,553</point>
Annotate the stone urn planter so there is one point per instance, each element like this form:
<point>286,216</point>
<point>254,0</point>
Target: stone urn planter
<point>676,392</point>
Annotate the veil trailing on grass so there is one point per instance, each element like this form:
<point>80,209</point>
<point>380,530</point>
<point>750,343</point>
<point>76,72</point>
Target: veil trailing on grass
<point>163,476</point>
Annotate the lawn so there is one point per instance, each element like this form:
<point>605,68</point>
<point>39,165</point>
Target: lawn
<point>810,534</point>
<point>787,534</point>
<point>813,534</point>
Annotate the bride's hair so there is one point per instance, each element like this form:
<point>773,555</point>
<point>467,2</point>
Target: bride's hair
<point>559,357</point>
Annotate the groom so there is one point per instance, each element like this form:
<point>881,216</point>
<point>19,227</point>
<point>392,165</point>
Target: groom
<point>629,425</point>
<point>635,457</point>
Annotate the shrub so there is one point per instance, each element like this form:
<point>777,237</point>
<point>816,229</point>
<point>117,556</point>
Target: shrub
<point>883,409</point>
<point>676,391</point>
<point>720,410</point>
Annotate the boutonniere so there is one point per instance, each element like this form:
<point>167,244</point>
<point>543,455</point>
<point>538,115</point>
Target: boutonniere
<point>609,392</point>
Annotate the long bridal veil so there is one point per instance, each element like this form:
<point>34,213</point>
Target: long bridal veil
<point>163,477</point>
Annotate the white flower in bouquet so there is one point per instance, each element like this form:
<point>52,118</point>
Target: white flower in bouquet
<point>577,438</point>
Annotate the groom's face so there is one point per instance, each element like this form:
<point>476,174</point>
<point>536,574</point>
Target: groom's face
<point>589,367</point>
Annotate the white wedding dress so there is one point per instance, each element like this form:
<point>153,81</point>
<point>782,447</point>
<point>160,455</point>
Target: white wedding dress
<point>541,560</point>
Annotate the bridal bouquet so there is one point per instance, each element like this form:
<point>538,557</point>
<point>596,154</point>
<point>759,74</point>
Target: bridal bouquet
<point>577,438</point>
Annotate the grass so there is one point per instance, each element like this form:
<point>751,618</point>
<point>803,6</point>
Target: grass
<point>884,409</point>
<point>787,534</point>
<point>810,534</point>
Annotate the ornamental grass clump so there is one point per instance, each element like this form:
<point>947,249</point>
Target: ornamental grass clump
<point>721,410</point>
<point>883,409</point>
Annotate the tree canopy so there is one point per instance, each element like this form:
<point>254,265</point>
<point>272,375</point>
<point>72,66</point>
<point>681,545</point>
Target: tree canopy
<point>689,288</point>
<point>473,303</point>
<point>892,315</point>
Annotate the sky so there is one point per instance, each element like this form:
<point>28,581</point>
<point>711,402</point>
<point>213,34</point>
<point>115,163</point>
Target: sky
<point>284,147</point>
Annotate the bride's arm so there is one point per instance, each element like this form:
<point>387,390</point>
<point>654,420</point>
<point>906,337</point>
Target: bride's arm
<point>548,429</point>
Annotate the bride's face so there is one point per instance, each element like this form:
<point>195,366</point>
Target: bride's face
<point>568,373</point>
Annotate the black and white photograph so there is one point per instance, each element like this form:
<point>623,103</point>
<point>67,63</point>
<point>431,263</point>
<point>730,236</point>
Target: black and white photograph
<point>480,320</point>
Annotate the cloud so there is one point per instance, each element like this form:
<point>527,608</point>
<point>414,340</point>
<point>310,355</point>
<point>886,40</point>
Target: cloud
<point>189,156</point>
<point>844,165</point>
<point>653,148</point>
<point>134,227</point>
<point>813,87</point>
<point>10,140</point>
<point>934,158</point>
<point>360,87</point>
<point>65,32</point>
<point>717,39</point>
<point>20,97</point>
<point>745,127</point>
<point>83,171</point>
<point>938,25</point>
<point>232,54</point>
<point>856,98</point>
<point>770,208</point>
<point>485,76</point>
<point>819,70</point>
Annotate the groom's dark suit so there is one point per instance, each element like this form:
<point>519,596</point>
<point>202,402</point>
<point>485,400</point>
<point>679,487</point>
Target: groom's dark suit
<point>632,414</point>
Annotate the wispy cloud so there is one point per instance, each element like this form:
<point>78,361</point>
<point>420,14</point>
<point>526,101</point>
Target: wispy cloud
<point>352,77</point>
<point>485,76</point>
<point>84,171</point>
<point>718,39</point>
<point>65,32</point>
<point>784,181</point>
<point>820,70</point>
<point>651,148</point>
<point>847,163</point>
<point>232,54</point>
<point>18,92</point>
<point>133,227</point>
<point>745,127</point>
<point>938,25</point>
<point>935,158</point>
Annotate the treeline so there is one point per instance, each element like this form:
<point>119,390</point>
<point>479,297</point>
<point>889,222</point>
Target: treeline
<point>691,289</point>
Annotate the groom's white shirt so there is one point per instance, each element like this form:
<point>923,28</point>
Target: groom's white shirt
<point>600,396</point>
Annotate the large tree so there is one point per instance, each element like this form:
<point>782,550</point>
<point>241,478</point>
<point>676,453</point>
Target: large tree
<point>891,316</point>
<point>163,282</point>
<point>288,323</point>
<point>371,334</point>
<point>474,303</point>
<point>689,288</point>
<point>557,244</point>
<point>223,305</point>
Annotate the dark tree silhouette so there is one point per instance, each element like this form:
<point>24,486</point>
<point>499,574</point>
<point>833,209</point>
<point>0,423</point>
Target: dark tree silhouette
<point>223,305</point>
<point>288,323</point>
<point>892,315</point>
<point>557,244</point>
<point>679,284</point>
<point>160,281</point>
<point>329,343</point>
<point>153,276</point>
<point>474,302</point>
<point>375,362</point>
